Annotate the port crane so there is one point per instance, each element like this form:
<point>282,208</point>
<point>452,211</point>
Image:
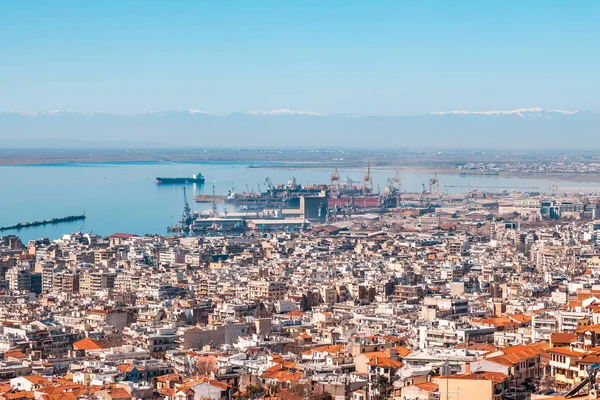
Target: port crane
<point>334,180</point>
<point>213,208</point>
<point>394,185</point>
<point>186,216</point>
<point>368,178</point>
<point>434,182</point>
<point>269,184</point>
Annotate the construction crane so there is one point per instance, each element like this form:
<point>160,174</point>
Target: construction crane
<point>269,183</point>
<point>186,216</point>
<point>368,178</point>
<point>213,210</point>
<point>334,180</point>
<point>393,185</point>
<point>434,182</point>
<point>396,180</point>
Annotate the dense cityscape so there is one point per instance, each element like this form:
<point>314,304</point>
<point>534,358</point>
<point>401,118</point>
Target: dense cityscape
<point>332,291</point>
<point>299,200</point>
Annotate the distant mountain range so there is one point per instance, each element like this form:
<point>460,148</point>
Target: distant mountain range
<point>513,129</point>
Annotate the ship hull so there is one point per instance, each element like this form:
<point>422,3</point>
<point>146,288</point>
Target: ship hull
<point>167,181</point>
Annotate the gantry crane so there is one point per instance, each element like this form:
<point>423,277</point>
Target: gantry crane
<point>269,184</point>
<point>395,180</point>
<point>186,216</point>
<point>368,178</point>
<point>334,181</point>
<point>434,182</point>
<point>213,208</point>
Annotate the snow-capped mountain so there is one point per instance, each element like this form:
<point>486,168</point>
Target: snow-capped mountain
<point>521,112</point>
<point>285,112</point>
<point>521,128</point>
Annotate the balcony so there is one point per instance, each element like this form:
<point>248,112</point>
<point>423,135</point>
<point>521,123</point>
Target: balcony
<point>566,378</point>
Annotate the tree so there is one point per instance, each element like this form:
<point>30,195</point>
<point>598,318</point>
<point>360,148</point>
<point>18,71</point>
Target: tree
<point>381,385</point>
<point>295,347</point>
<point>253,391</point>
<point>206,365</point>
<point>300,389</point>
<point>322,396</point>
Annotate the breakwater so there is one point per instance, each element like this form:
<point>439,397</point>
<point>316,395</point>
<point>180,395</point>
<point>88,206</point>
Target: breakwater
<point>52,221</point>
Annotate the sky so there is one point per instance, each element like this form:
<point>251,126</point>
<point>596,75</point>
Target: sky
<point>361,57</point>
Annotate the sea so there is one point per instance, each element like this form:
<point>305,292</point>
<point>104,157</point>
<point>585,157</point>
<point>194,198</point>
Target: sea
<point>123,197</point>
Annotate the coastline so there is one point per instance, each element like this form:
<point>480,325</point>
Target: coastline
<point>356,161</point>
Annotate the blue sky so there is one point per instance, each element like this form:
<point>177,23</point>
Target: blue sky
<point>367,57</point>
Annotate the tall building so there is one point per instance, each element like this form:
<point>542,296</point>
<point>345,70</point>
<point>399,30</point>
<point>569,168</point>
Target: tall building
<point>19,279</point>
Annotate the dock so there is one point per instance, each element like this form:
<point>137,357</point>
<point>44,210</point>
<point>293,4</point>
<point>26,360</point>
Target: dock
<point>52,221</point>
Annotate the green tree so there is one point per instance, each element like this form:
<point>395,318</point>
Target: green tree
<point>322,396</point>
<point>252,391</point>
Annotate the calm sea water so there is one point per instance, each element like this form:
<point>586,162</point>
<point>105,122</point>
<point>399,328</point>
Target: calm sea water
<point>123,197</point>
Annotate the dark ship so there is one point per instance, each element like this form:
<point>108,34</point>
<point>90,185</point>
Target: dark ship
<point>197,178</point>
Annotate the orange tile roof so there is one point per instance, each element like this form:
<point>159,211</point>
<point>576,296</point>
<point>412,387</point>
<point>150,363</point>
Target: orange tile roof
<point>575,303</point>
<point>61,387</point>
<point>515,354</point>
<point>402,351</point>
<point>14,354</point>
<point>496,377</point>
<point>589,359</point>
<point>589,328</point>
<point>119,393</point>
<point>19,395</point>
<point>520,318</point>
<point>559,337</point>
<point>167,392</point>
<point>296,313</point>
<point>282,376</point>
<point>498,322</point>
<point>129,367</point>
<point>393,339</point>
<point>384,362</point>
<point>58,396</point>
<point>481,347</point>
<point>428,386</point>
<point>168,377</point>
<point>87,344</point>
<point>543,346</point>
<point>334,349</point>
<point>566,351</point>
<point>38,380</point>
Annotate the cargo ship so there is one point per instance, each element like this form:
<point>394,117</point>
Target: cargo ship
<point>197,178</point>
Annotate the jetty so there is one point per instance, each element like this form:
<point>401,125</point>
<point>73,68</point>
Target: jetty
<point>52,221</point>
